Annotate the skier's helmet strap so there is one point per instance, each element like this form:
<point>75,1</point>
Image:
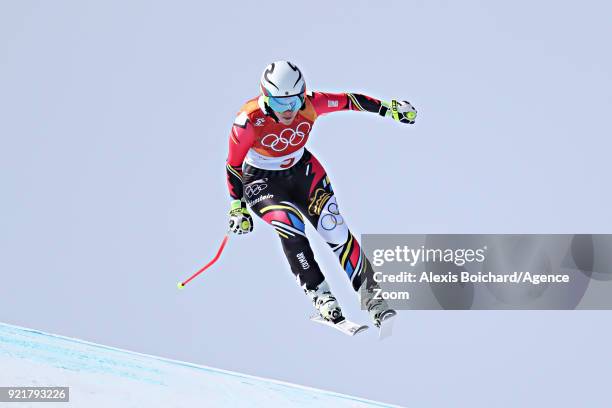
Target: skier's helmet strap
<point>282,79</point>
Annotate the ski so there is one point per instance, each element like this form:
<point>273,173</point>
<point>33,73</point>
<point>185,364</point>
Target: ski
<point>344,325</point>
<point>385,329</point>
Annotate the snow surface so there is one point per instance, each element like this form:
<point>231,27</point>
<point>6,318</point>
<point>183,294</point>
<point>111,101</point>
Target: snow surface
<point>101,376</point>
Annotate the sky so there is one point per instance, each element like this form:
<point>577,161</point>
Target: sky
<point>114,124</point>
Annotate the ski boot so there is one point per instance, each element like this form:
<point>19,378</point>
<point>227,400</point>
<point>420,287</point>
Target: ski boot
<point>325,303</point>
<point>378,309</point>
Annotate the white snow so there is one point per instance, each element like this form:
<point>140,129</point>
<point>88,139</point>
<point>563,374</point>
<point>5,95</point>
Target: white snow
<point>100,376</point>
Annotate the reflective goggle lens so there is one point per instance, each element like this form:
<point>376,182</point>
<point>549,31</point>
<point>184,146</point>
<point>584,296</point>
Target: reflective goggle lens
<point>287,103</point>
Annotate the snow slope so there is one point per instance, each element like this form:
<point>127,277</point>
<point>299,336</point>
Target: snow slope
<point>100,376</point>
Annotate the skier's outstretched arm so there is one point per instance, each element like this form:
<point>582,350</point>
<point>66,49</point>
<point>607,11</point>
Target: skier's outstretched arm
<point>323,103</point>
<point>240,141</point>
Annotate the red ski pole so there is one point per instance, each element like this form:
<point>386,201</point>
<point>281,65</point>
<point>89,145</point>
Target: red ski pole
<point>181,285</point>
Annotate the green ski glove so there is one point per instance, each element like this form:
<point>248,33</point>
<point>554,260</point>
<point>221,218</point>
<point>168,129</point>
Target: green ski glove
<point>240,221</point>
<point>401,111</point>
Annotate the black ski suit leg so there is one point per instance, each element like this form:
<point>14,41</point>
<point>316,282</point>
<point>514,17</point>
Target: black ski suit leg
<point>316,200</point>
<point>269,198</point>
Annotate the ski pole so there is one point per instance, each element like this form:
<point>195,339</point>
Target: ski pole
<point>181,285</point>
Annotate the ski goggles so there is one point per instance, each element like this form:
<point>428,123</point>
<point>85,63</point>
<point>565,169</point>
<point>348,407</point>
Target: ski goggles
<point>285,103</point>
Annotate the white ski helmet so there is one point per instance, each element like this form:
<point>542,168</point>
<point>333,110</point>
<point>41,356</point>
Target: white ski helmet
<point>282,79</point>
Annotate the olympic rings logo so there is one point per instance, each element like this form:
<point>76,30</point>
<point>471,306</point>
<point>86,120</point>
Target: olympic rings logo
<point>288,137</point>
<point>331,218</point>
<point>255,188</point>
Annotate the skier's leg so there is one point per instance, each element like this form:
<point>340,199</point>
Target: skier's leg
<point>268,198</point>
<point>273,206</point>
<point>319,205</point>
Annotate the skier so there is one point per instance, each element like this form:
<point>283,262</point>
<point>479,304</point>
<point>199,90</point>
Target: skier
<point>270,170</point>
